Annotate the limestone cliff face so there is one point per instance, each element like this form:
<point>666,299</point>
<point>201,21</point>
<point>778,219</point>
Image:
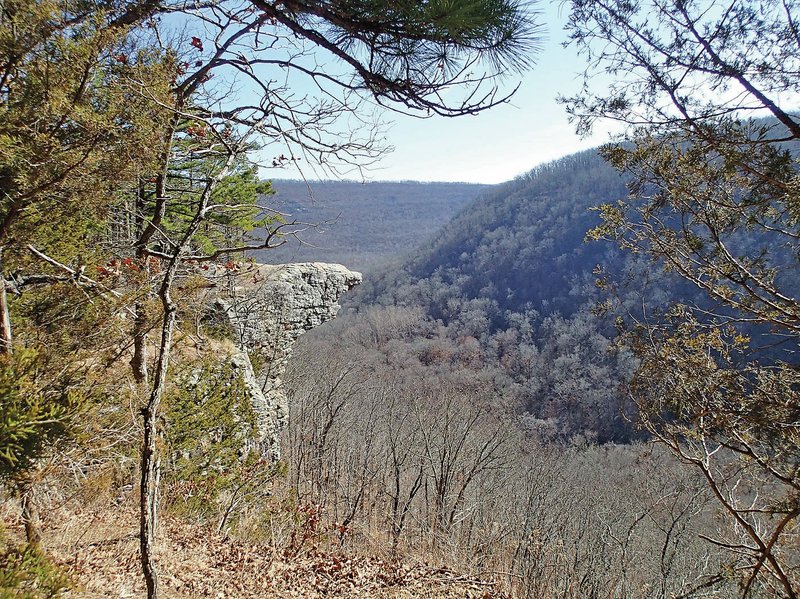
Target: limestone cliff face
<point>269,308</point>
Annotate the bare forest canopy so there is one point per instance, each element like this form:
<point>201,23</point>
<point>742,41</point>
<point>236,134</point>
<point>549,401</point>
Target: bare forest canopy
<point>512,275</point>
<point>520,297</point>
<point>515,272</point>
<point>362,224</point>
<point>508,287</point>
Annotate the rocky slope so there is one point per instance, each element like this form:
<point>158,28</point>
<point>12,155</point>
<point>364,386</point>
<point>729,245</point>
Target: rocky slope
<point>269,307</point>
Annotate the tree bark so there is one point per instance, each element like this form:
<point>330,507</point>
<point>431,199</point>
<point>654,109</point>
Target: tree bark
<point>139,359</point>
<point>30,517</point>
<point>5,319</point>
<point>148,523</point>
<point>148,516</point>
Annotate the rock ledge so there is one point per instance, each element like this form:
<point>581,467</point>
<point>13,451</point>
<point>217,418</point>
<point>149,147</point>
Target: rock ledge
<point>270,306</point>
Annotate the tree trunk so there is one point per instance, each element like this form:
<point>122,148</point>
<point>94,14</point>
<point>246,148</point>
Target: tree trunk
<point>5,319</point>
<point>139,359</point>
<point>30,517</point>
<point>148,517</point>
<point>149,501</point>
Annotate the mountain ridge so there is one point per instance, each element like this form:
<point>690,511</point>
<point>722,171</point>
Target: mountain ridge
<point>358,224</point>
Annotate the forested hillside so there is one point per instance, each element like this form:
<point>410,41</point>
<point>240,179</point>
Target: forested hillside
<point>514,273</point>
<point>521,318</point>
<point>517,248</point>
<point>477,388</point>
<point>517,271</point>
<point>361,224</point>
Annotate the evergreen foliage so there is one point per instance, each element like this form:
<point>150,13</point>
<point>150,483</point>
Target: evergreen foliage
<point>27,573</point>
<point>74,125</point>
<point>128,172</point>
<point>36,408</point>
<point>405,53</point>
<point>33,412</point>
<point>210,425</point>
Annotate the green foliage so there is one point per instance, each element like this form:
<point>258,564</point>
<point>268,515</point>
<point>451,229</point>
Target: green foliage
<point>210,424</point>
<point>695,374</point>
<point>27,573</point>
<point>64,322</point>
<point>435,33</point>
<point>200,150</point>
<point>115,155</point>
<point>74,125</point>
<point>214,401</point>
<point>36,406</point>
<point>241,190</point>
<point>719,215</point>
<point>239,194</point>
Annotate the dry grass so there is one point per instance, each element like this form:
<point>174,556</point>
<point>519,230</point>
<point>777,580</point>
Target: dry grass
<point>99,546</point>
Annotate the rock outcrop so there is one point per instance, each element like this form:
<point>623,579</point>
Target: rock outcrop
<point>269,307</point>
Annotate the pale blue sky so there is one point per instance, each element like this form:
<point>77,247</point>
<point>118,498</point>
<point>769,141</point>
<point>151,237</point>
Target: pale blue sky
<point>494,146</point>
<point>500,143</point>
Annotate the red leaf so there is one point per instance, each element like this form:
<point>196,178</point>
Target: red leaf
<point>197,43</point>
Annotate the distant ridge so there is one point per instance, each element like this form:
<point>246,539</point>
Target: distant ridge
<point>363,224</point>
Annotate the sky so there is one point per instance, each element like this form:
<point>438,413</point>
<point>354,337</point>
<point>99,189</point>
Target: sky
<point>501,143</point>
<point>498,144</point>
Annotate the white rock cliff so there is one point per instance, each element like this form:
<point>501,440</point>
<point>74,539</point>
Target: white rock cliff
<point>270,307</point>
